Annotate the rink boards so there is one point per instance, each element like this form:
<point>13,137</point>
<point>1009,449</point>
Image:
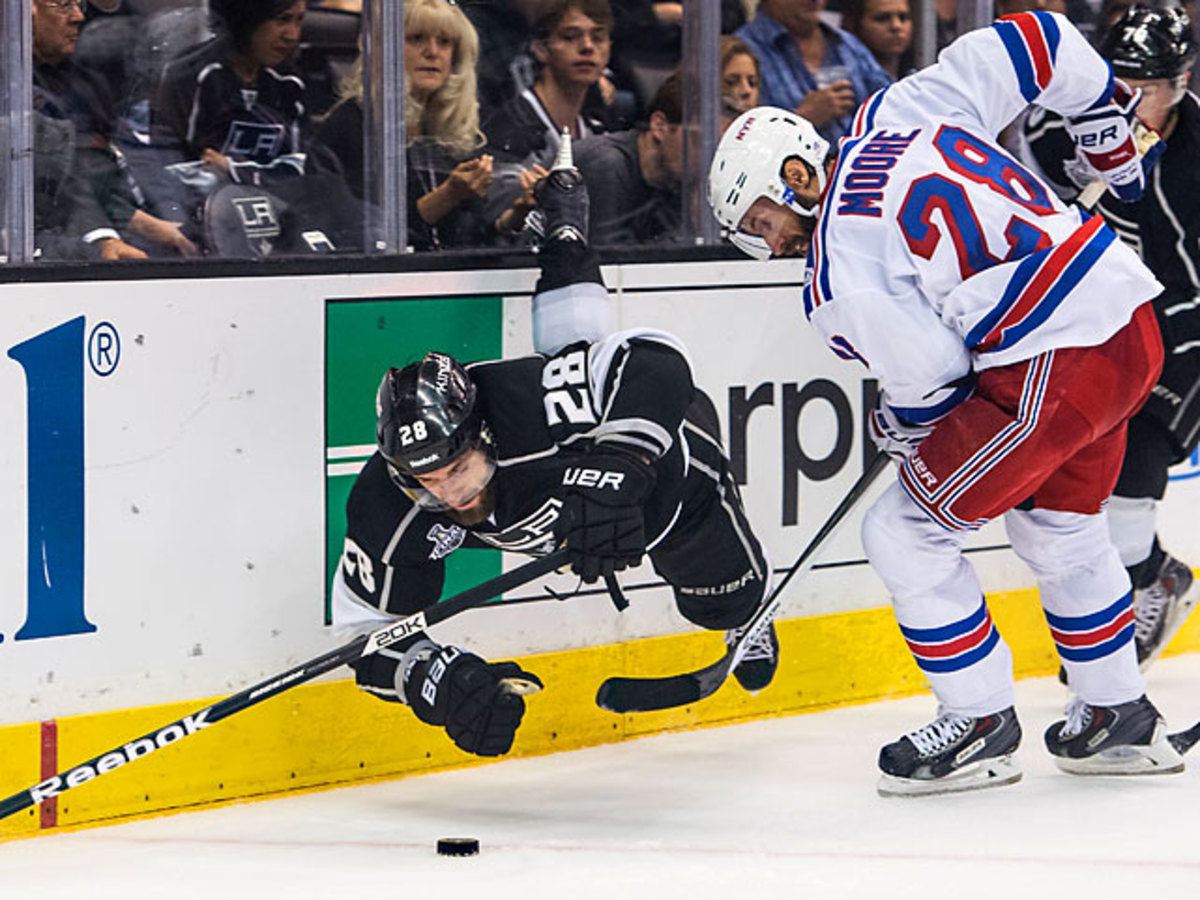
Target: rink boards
<point>175,460</point>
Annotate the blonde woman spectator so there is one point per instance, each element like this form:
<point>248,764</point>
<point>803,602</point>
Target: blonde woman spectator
<point>447,175</point>
<point>741,75</point>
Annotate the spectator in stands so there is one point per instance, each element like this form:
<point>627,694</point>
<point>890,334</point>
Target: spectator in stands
<point>633,176</point>
<point>821,72</point>
<point>232,104</point>
<point>447,174</point>
<point>571,42</point>
<point>885,27</point>
<point>84,198</point>
<point>741,75</point>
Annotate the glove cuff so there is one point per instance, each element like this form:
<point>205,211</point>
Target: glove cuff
<point>419,652</point>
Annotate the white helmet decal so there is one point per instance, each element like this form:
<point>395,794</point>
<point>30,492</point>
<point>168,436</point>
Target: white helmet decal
<point>749,162</point>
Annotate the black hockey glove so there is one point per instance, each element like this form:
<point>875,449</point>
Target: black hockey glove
<point>601,523</point>
<point>480,704</point>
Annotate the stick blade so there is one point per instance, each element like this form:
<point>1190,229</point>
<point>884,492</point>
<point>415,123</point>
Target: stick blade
<point>623,695</point>
<point>1184,741</point>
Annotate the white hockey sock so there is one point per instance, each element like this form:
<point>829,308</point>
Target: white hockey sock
<point>1132,522</point>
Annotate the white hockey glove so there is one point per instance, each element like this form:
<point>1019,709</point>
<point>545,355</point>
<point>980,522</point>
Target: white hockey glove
<point>894,436</point>
<point>1104,141</point>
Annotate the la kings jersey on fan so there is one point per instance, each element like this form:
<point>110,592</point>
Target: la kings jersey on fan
<point>542,413</point>
<point>1164,228</point>
<point>932,236</point>
<point>202,103</point>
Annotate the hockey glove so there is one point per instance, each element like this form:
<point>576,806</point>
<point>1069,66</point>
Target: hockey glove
<point>893,435</point>
<point>601,522</point>
<point>1104,139</point>
<point>480,704</point>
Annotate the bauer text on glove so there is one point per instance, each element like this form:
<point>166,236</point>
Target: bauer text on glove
<point>601,523</point>
<point>480,704</point>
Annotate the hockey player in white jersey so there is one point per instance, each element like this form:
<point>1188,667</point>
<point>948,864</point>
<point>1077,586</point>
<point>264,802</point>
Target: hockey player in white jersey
<point>1013,338</point>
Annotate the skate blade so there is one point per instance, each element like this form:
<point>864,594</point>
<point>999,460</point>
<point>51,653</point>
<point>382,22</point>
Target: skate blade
<point>1156,758</point>
<point>986,773</point>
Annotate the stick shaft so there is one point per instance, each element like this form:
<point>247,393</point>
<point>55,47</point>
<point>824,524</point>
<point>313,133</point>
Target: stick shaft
<point>363,645</point>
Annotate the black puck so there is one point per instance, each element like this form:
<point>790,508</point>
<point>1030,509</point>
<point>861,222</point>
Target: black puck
<point>458,846</point>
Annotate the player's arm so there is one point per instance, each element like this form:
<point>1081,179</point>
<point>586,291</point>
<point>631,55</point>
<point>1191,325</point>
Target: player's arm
<point>918,387</point>
<point>390,567</point>
<point>637,386</point>
<point>987,76</point>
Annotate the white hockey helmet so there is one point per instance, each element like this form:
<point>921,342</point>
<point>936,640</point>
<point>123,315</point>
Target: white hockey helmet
<point>749,162</point>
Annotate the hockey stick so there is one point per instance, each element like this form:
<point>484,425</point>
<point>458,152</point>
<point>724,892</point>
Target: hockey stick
<point>1183,741</point>
<point>363,645</point>
<point>622,695</point>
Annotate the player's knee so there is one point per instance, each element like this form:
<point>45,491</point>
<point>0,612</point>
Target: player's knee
<point>890,528</point>
<point>720,607</point>
<point>1056,543</point>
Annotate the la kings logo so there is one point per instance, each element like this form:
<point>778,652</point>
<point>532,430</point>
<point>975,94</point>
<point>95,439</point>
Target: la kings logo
<point>533,534</point>
<point>445,540</point>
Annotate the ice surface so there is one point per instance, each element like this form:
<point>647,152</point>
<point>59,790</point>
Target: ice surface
<point>783,805</point>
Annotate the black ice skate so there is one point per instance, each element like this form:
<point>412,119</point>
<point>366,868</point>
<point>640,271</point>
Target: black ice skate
<point>1161,608</point>
<point>952,753</point>
<point>1126,739</point>
<point>758,666</point>
<point>562,198</point>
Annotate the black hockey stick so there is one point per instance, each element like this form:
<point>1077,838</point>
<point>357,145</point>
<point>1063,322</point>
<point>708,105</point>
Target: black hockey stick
<point>363,645</point>
<point>622,695</point>
<point>1183,741</point>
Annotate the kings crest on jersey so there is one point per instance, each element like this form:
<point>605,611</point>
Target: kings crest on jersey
<point>932,236</point>
<point>539,414</point>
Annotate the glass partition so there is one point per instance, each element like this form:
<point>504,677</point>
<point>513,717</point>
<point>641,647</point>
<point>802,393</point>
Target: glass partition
<point>273,129</point>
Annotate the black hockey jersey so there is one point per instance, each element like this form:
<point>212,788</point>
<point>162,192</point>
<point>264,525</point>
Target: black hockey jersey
<point>202,103</point>
<point>541,413</point>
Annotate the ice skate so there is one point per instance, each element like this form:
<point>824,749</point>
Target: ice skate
<point>757,667</point>
<point>952,753</point>
<point>1126,739</point>
<point>562,197</point>
<point>1161,609</point>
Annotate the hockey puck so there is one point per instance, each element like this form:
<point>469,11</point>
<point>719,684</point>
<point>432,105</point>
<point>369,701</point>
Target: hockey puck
<point>458,846</point>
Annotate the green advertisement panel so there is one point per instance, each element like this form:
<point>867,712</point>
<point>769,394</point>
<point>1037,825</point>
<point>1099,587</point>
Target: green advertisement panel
<point>362,339</point>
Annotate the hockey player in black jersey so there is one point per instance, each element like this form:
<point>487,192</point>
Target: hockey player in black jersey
<point>1152,50</point>
<point>605,447</point>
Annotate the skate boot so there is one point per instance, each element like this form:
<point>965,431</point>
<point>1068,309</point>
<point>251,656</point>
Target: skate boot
<point>1161,608</point>
<point>952,753</point>
<point>757,667</point>
<point>1126,739</point>
<point>563,204</point>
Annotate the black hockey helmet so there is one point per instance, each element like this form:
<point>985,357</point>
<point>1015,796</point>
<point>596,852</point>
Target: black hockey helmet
<point>1150,43</point>
<point>427,415</point>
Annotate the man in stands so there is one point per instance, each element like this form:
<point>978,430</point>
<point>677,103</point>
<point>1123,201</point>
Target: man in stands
<point>1013,339</point>
<point>84,197</point>
<point>633,176</point>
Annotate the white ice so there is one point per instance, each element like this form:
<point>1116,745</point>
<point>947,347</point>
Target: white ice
<point>785,805</point>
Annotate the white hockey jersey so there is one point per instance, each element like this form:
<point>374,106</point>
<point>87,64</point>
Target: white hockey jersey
<point>937,253</point>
